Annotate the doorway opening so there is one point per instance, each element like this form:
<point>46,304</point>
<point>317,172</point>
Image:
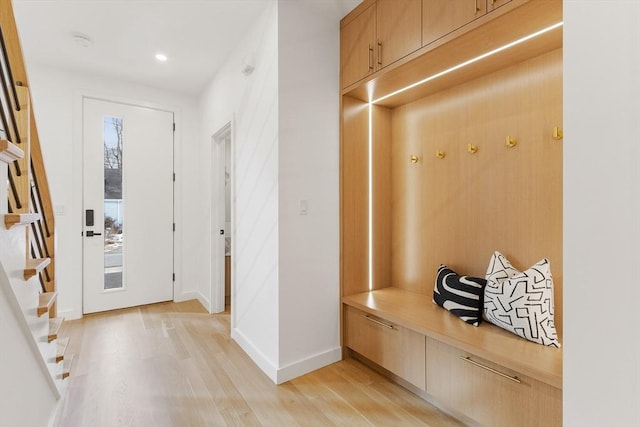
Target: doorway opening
<point>221,220</point>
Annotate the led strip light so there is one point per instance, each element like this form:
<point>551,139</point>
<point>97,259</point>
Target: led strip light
<point>411,86</point>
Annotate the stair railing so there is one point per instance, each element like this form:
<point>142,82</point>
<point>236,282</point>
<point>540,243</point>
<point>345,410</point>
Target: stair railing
<point>27,178</point>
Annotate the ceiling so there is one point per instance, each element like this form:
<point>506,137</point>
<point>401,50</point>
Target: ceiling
<point>196,35</point>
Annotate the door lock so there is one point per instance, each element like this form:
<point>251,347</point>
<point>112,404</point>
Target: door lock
<point>90,233</point>
<point>221,232</point>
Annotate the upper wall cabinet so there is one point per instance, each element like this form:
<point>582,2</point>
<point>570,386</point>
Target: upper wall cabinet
<point>494,4</point>
<point>399,26</point>
<point>380,34</point>
<point>357,40</point>
<point>439,18</point>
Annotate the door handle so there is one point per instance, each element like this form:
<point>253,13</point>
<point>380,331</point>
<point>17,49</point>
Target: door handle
<point>90,233</point>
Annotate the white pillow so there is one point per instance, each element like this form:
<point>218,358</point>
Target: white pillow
<point>521,302</point>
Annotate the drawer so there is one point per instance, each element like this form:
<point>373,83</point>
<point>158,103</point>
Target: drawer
<point>397,349</point>
<point>488,393</point>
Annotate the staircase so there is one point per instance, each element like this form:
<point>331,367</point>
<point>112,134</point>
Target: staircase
<point>34,364</point>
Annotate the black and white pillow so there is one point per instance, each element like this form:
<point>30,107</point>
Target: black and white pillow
<point>461,295</point>
<point>521,302</point>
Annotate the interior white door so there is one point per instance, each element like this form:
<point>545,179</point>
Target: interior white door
<point>220,219</point>
<point>128,205</point>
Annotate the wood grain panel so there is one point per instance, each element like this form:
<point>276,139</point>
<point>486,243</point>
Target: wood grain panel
<point>419,313</point>
<point>487,397</point>
<point>399,29</point>
<point>395,348</point>
<point>354,204</point>
<point>357,39</point>
<point>381,191</point>
<point>494,4</point>
<point>460,209</point>
<point>23,181</point>
<point>440,18</point>
<point>504,25</point>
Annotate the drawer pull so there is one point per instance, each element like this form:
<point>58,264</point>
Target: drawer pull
<point>480,365</point>
<point>378,322</point>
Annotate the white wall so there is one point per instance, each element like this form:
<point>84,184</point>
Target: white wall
<point>309,258</point>
<point>56,97</point>
<point>601,213</point>
<point>253,104</point>
<point>285,295</point>
<point>27,399</point>
<point>23,379</point>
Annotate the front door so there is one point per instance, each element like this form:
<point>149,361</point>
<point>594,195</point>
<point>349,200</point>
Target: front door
<point>128,205</point>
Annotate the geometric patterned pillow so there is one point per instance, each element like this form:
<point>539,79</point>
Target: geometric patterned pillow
<point>461,295</point>
<point>522,302</point>
<point>499,268</point>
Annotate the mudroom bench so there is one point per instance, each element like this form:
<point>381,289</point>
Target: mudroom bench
<point>482,375</point>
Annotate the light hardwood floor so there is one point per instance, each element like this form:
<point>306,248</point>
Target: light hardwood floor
<point>173,364</point>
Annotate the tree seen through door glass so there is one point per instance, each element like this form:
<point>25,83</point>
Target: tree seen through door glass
<point>113,202</point>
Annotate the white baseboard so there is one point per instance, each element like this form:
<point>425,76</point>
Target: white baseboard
<point>291,371</point>
<point>70,314</point>
<point>309,364</point>
<point>256,355</point>
<point>186,296</point>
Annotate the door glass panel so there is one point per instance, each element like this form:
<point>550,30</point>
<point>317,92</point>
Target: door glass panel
<point>113,202</point>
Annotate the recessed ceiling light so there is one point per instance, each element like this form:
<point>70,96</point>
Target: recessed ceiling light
<point>161,57</point>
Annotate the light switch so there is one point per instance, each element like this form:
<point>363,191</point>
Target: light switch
<point>303,207</point>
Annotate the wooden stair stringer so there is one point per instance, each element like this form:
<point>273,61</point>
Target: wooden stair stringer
<point>9,152</point>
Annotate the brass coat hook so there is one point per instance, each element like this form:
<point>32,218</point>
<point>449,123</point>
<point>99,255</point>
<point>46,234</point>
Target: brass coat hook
<point>557,133</point>
<point>473,149</point>
<point>414,159</point>
<point>511,141</point>
<point>440,154</point>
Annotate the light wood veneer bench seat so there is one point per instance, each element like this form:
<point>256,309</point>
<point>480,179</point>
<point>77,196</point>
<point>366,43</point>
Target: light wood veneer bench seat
<point>521,381</point>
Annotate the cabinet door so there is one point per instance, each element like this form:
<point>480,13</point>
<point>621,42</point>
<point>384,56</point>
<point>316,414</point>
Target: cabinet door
<point>399,30</point>
<point>439,18</point>
<point>494,4</point>
<point>393,347</point>
<point>490,397</point>
<point>357,43</point>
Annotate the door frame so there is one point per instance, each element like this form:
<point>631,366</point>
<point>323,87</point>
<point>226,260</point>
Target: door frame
<point>217,217</point>
<point>77,295</point>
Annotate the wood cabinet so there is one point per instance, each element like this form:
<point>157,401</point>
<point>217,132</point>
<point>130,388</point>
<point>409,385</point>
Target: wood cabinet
<point>357,42</point>
<point>405,210</point>
<point>399,30</point>
<point>397,349</point>
<point>494,4</point>
<point>380,34</point>
<point>439,18</point>
<point>489,393</point>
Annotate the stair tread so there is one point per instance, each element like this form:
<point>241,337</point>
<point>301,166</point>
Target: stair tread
<point>11,220</point>
<point>45,302</point>
<point>67,365</point>
<point>35,266</point>
<point>10,152</point>
<point>54,328</point>
<point>61,349</point>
